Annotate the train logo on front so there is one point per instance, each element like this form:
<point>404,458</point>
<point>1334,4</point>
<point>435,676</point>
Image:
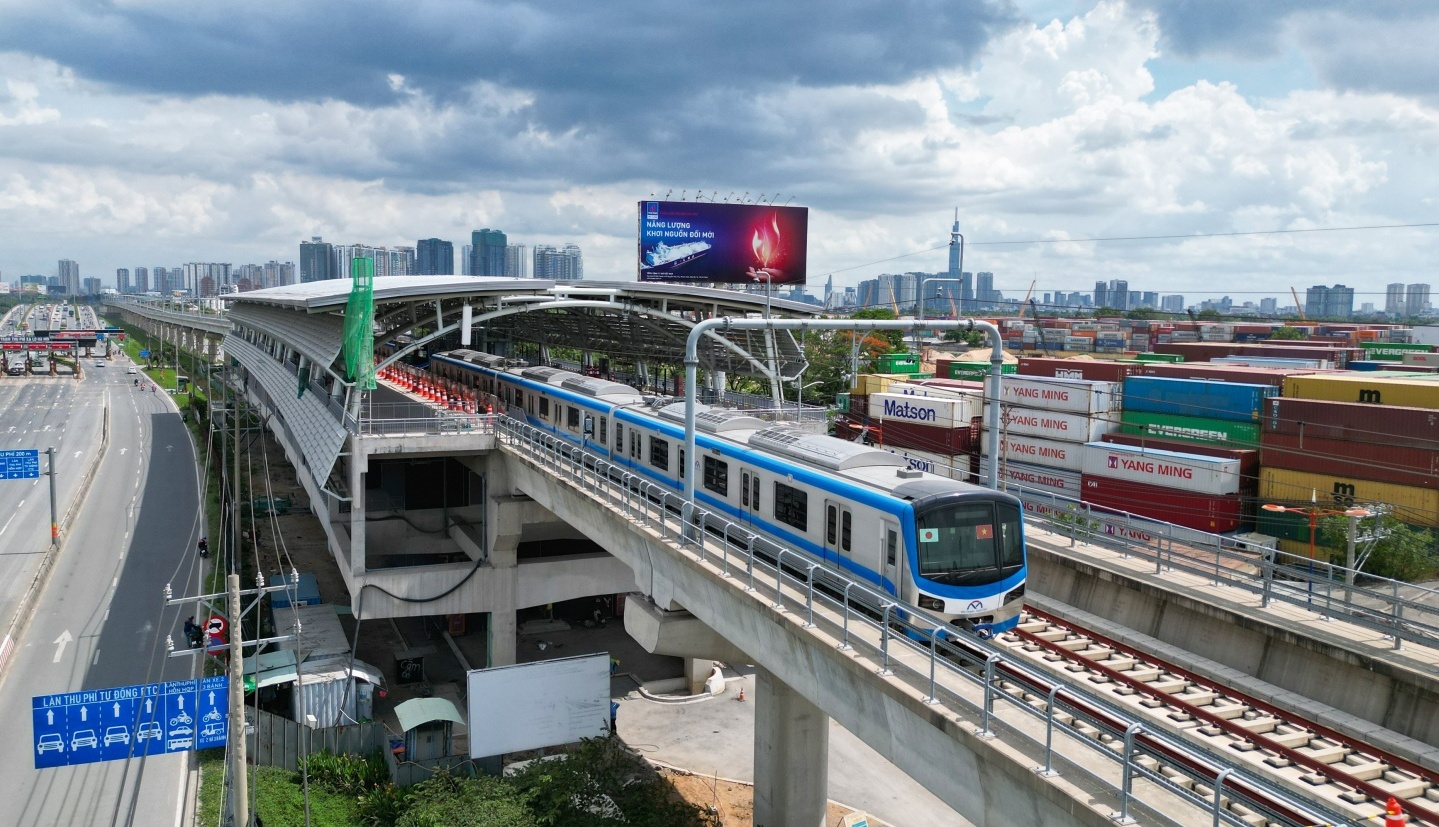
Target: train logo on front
<point>929,535</point>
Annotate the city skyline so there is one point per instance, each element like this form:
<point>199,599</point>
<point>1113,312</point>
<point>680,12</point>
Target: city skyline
<point>1044,121</point>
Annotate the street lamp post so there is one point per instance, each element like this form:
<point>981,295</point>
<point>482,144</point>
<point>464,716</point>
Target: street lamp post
<point>1314,512</point>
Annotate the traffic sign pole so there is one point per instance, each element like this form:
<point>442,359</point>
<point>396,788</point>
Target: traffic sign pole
<point>54,521</point>
<point>239,780</point>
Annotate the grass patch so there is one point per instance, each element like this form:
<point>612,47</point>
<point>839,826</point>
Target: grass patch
<point>278,794</point>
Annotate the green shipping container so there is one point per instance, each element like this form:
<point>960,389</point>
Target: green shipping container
<point>1392,351</point>
<point>1286,525</point>
<point>1158,357</point>
<point>841,402</point>
<point>975,371</point>
<point>896,363</point>
<point>1243,435</point>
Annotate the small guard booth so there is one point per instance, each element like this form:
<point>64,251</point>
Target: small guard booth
<point>428,724</point>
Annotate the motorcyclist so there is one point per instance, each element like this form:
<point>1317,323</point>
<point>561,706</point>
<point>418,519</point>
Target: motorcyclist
<point>204,547</point>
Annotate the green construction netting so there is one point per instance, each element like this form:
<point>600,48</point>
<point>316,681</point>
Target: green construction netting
<point>360,326</point>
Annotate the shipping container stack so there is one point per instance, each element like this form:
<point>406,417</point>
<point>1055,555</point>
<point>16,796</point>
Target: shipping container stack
<point>1044,424</point>
<point>931,423</point>
<point>1338,440</point>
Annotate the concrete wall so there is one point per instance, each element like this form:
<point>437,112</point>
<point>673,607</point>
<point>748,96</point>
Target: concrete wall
<point>1374,685</point>
<point>985,780</point>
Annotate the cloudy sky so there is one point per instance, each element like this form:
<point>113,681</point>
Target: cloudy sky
<point>155,132</point>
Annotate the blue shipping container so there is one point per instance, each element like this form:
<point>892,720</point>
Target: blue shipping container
<point>1366,365</point>
<point>1230,401</point>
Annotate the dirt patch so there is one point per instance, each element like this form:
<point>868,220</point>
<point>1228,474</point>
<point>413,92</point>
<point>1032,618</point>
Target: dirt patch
<point>733,803</point>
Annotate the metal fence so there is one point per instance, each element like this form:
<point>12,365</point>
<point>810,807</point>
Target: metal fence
<point>1376,603</point>
<point>279,741</point>
<point>1153,773</point>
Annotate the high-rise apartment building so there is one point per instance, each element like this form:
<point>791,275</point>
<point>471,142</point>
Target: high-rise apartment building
<point>558,263</point>
<point>517,261</point>
<point>142,279</point>
<point>1101,294</point>
<point>1269,306</point>
<point>1394,298</point>
<point>488,255</point>
<point>1416,299</point>
<point>1335,302</point>
<point>984,291</point>
<point>278,274</point>
<point>69,276</point>
<point>316,260</point>
<point>1172,304</point>
<point>122,279</point>
<point>1119,294</point>
<point>198,273</point>
<point>90,286</point>
<point>1149,299</point>
<point>434,257</point>
<point>467,260</point>
<point>401,261</point>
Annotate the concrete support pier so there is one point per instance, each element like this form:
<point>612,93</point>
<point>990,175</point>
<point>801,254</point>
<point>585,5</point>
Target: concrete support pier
<point>791,756</point>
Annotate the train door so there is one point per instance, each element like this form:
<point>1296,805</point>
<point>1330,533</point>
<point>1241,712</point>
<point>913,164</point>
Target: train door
<point>838,530</point>
<point>892,557</point>
<point>749,496</point>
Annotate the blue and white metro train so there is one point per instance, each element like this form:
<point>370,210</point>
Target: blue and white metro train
<point>951,548</point>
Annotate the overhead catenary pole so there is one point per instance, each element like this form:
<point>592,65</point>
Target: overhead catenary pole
<point>692,362</point>
<point>54,518</point>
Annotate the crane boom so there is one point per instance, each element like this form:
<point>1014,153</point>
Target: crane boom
<point>1298,305</point>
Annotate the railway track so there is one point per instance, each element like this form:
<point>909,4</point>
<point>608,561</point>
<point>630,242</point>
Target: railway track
<point>1306,758</point>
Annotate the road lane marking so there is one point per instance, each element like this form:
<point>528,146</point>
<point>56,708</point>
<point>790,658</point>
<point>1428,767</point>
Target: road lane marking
<point>95,659</point>
<point>7,524</point>
<point>60,643</point>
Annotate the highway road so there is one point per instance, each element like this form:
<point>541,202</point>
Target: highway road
<point>100,621</point>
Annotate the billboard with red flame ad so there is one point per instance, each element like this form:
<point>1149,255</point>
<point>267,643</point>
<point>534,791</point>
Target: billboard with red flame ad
<point>698,241</point>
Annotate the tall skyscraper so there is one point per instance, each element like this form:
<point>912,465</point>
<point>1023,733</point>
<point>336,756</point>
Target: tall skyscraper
<point>956,263</point>
<point>1335,302</point>
<point>984,288</point>
<point>402,261</point>
<point>1119,294</point>
<point>278,274</point>
<point>1101,294</point>
<point>122,279</point>
<point>517,261</point>
<point>1269,306</point>
<point>434,257</point>
<point>315,260</point>
<point>69,275</point>
<point>1172,304</point>
<point>161,286</point>
<point>142,280</point>
<point>1416,299</point>
<point>1394,298</point>
<point>488,255</point>
<point>558,264</point>
<point>90,286</point>
<point>197,273</point>
<point>467,260</point>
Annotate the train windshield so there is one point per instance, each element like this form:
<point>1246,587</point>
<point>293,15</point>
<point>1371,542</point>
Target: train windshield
<point>970,543</point>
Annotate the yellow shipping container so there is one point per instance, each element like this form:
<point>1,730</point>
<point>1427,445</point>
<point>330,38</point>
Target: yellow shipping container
<point>1416,506</point>
<point>872,383</point>
<point>1364,387</point>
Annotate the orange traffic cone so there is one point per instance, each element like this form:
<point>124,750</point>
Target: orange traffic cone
<point>741,697</point>
<point>1393,813</point>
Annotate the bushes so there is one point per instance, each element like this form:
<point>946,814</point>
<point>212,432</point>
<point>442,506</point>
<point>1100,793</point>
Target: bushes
<point>347,774</point>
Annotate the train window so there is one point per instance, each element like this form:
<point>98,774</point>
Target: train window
<point>519,398</point>
<point>754,492</point>
<point>744,490</point>
<point>659,453</point>
<point>844,531</point>
<point>717,476</point>
<point>1011,537</point>
<point>791,506</point>
<point>604,431</point>
<point>831,524</point>
<point>572,418</point>
<point>544,407</point>
<point>682,463</point>
<point>635,445</point>
<point>891,546</point>
<point>619,437</point>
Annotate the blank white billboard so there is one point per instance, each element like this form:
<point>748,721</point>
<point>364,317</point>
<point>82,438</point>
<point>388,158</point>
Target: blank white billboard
<point>533,705</point>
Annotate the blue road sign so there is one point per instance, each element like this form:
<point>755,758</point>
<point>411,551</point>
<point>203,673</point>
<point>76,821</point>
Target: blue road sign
<point>145,719</point>
<point>23,464</point>
<point>144,354</point>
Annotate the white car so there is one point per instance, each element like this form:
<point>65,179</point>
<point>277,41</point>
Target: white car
<point>99,364</point>
<point>130,371</point>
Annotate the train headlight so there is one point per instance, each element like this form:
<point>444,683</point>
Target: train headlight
<point>1014,594</point>
<point>934,604</point>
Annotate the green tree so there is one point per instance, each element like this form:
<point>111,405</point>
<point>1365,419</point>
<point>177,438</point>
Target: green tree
<point>1142,314</point>
<point>1402,553</point>
<point>447,801</point>
<point>604,784</point>
<point>893,339</point>
<point>1287,333</point>
<point>1106,310</point>
<point>1209,314</point>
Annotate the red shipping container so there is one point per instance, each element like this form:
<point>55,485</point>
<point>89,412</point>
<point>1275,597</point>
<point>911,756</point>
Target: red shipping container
<point>1352,422</point>
<point>1202,512</point>
<point>1224,373</point>
<point>1089,370</point>
<point>900,434</point>
<point>1248,460</point>
<point>1398,465</point>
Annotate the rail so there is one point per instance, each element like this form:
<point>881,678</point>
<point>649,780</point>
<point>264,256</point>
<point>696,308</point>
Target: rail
<point>1375,603</point>
<point>1140,769</point>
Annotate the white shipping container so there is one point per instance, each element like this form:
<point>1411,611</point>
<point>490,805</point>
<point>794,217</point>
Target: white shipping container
<point>1054,334</point>
<point>944,465</point>
<point>1079,343</point>
<point>1184,472</point>
<point>1035,451</point>
<point>1163,338</point>
<point>1417,358</point>
<point>1217,336</point>
<point>1049,480</point>
<point>1272,362</point>
<point>924,410</point>
<point>1049,394</point>
<point>1183,336</point>
<point>938,392</point>
<point>1058,425</point>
